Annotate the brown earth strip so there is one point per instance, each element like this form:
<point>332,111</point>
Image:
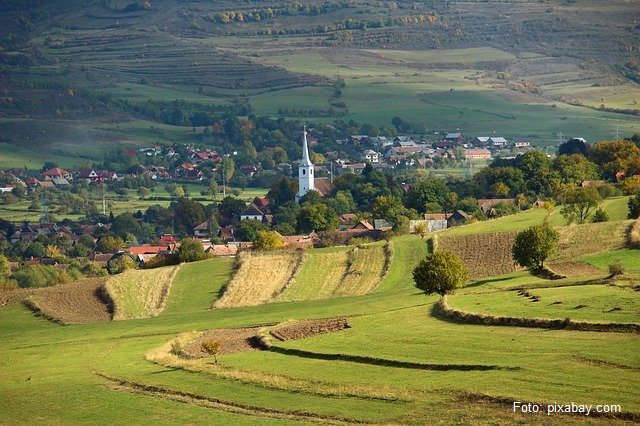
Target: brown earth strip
<point>575,269</point>
<point>227,406</point>
<point>443,310</point>
<point>77,303</point>
<point>233,340</point>
<point>308,328</point>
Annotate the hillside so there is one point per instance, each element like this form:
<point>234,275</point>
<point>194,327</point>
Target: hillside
<point>106,71</point>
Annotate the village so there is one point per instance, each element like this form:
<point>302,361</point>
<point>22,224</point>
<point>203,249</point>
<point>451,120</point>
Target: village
<point>200,165</point>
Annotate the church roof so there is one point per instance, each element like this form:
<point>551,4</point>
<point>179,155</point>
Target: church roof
<point>324,186</point>
<point>305,152</point>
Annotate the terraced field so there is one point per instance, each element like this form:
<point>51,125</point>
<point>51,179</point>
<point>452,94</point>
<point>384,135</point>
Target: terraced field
<point>396,363</point>
<point>140,293</point>
<point>259,278</point>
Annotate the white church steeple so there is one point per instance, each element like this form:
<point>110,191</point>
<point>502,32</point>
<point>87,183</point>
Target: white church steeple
<point>305,170</point>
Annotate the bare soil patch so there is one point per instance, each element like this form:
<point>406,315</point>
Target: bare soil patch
<point>575,269</point>
<point>308,328</point>
<point>77,303</point>
<point>233,340</point>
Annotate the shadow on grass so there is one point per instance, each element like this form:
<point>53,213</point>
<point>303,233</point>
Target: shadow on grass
<point>385,362</point>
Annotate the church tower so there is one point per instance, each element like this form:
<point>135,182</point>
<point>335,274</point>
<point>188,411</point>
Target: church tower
<point>305,170</point>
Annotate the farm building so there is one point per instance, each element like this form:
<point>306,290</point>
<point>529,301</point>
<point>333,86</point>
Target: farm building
<point>477,154</point>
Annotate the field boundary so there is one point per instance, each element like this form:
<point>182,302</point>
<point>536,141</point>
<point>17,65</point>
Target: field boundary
<point>442,310</point>
<point>219,404</point>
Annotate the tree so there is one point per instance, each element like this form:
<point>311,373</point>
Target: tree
<point>212,347</point>
<point>143,191</point>
<point>268,240</point>
<point>36,249</point>
<point>247,230</point>
<point>616,157</point>
<point>440,272</point>
<point>316,217</point>
<point>191,250</point>
<point>120,264</point>
<point>4,265</point>
<point>534,245</point>
<point>427,191</point>
<point>634,207</point>
<point>574,168</point>
<point>282,191</point>
<point>599,216</point>
<point>578,204</point>
<point>575,146</point>
<point>109,244</point>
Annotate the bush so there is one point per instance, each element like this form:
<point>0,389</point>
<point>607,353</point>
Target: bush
<point>120,264</point>
<point>634,207</point>
<point>191,250</point>
<point>176,349</point>
<point>212,347</point>
<point>268,240</point>
<point>534,245</point>
<point>616,269</point>
<point>600,216</point>
<point>440,272</point>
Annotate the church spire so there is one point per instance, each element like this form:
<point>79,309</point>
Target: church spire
<point>305,170</point>
<point>305,150</point>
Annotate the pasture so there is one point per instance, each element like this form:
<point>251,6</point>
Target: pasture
<point>397,362</point>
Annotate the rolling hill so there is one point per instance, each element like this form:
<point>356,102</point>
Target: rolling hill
<point>76,72</point>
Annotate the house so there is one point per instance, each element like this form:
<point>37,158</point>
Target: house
<point>168,239</point>
<point>202,230</point>
<point>363,225</point>
<point>250,169</point>
<point>353,167</point>
<point>444,145</point>
<point>359,139</point>
<point>298,241</point>
<point>226,234</point>
<point>477,154</point>
<point>521,145</point>
<point>497,142</point>
<point>258,210</point>
<point>56,172</point>
<point>223,249</point>
<point>87,174</point>
<point>480,141</point>
<point>589,183</point>
<point>6,188</point>
<point>382,225</point>
<point>486,204</point>
<point>458,216</point>
<point>457,138</point>
<point>371,156</point>
<point>403,141</point>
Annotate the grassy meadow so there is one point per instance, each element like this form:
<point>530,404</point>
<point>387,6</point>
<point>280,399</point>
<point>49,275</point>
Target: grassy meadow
<point>397,363</point>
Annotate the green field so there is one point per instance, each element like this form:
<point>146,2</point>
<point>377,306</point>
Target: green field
<point>396,364</point>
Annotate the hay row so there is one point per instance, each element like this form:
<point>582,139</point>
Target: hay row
<point>443,310</point>
<point>365,269</point>
<point>633,235</point>
<point>140,293</point>
<point>259,278</point>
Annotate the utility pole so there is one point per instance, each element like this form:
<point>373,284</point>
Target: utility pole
<point>104,204</point>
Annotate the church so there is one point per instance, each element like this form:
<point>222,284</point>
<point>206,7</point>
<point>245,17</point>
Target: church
<point>306,179</point>
<point>306,174</point>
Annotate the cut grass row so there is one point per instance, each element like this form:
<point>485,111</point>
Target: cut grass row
<point>140,293</point>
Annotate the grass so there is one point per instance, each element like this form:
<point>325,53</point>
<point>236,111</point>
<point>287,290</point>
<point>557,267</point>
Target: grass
<point>630,259</point>
<point>365,270</point>
<point>140,293</point>
<point>47,369</point>
<point>569,298</point>
<point>319,276</point>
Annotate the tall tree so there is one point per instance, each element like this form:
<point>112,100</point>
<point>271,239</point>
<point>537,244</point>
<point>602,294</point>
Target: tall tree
<point>535,245</point>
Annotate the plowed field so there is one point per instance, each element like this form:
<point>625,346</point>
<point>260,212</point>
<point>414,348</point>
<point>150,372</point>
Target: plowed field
<point>71,303</point>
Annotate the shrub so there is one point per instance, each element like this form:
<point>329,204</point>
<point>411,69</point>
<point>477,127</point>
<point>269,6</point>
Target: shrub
<point>534,245</point>
<point>120,264</point>
<point>357,241</point>
<point>599,216</point>
<point>176,349</point>
<point>440,272</point>
<point>633,237</point>
<point>616,269</point>
<point>634,207</point>
<point>191,250</point>
<point>268,240</point>
<point>212,347</point>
